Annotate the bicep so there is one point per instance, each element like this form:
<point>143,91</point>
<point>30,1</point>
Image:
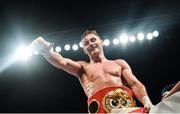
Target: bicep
<point>66,64</point>
<point>72,67</point>
<point>127,73</point>
<point>129,77</point>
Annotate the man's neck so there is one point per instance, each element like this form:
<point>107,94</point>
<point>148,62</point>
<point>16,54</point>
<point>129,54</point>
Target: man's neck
<point>98,59</point>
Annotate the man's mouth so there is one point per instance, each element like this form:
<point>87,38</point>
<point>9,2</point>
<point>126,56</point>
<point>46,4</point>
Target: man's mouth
<point>93,47</point>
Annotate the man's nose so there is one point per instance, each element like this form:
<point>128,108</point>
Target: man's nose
<point>91,44</point>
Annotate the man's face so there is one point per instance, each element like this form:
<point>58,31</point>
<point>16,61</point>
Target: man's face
<point>92,44</point>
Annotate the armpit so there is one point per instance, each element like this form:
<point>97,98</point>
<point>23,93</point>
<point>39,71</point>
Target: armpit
<point>81,70</point>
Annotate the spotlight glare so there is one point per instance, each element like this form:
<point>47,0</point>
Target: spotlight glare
<point>23,53</point>
<point>106,42</point>
<point>155,33</point>
<point>115,41</point>
<point>75,47</point>
<point>140,36</point>
<point>58,49</point>
<point>36,52</point>
<point>123,38</point>
<point>67,47</point>
<point>149,36</point>
<point>132,38</point>
<point>80,44</point>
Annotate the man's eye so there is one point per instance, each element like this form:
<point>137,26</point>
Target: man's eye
<point>86,43</point>
<point>93,39</point>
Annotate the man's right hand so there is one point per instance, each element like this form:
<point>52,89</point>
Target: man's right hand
<point>147,104</point>
<point>41,46</point>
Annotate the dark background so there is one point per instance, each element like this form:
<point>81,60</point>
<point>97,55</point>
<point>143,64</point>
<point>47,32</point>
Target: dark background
<point>36,86</point>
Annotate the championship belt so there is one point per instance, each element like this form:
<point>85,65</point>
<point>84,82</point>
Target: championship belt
<point>117,98</point>
<point>110,98</point>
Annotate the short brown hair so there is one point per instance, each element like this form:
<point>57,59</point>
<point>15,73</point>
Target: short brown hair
<point>88,32</point>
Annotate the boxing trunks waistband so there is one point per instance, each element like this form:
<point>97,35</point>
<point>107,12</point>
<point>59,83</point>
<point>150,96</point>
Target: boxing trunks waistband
<point>109,98</point>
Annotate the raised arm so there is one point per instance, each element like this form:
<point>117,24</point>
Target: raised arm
<point>137,87</point>
<point>46,49</point>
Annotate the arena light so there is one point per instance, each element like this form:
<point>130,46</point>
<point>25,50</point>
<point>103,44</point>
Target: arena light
<point>75,47</point>
<point>36,52</point>
<point>67,47</point>
<point>155,33</point>
<point>149,36</point>
<point>106,42</point>
<point>58,49</point>
<point>140,36</point>
<point>132,38</point>
<point>80,44</point>
<point>123,38</point>
<point>115,41</point>
<point>23,53</point>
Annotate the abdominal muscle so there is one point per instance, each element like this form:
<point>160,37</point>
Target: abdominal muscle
<point>91,87</point>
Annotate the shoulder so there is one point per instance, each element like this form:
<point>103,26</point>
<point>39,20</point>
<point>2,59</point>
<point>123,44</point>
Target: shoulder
<point>83,63</point>
<point>120,61</point>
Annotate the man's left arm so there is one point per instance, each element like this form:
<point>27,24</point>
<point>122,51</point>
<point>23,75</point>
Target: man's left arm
<point>137,87</point>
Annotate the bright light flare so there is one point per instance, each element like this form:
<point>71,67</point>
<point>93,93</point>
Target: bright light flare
<point>58,49</point>
<point>75,47</point>
<point>23,53</point>
<point>80,44</point>
<point>149,36</point>
<point>115,41</point>
<point>132,38</point>
<point>67,47</point>
<point>123,38</point>
<point>140,36</point>
<point>106,42</point>
<point>36,52</point>
<point>155,33</point>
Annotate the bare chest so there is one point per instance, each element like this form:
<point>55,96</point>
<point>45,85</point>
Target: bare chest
<point>99,70</point>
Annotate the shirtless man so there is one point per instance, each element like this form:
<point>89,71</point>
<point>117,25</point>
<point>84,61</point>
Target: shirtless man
<point>99,76</point>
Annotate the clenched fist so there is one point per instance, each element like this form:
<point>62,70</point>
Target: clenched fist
<point>41,46</point>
